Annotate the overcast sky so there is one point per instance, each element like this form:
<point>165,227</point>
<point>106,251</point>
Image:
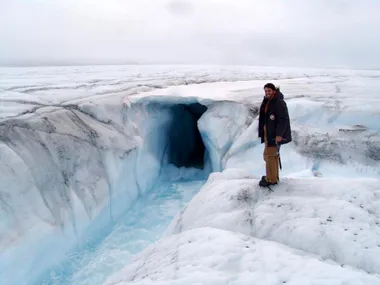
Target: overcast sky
<point>344,33</point>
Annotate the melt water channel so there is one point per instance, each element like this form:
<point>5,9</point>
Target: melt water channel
<point>143,224</point>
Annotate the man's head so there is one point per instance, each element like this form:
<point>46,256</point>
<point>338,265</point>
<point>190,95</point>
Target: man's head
<point>270,90</point>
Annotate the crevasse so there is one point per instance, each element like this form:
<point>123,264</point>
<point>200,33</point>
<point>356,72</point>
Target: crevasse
<point>70,171</point>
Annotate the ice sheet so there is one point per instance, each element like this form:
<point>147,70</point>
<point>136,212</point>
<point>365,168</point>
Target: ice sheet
<point>80,145</point>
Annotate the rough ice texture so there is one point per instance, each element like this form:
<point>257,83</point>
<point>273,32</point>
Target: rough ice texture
<point>213,256</point>
<point>52,157</point>
<point>337,220</point>
<point>309,231</point>
<point>61,169</point>
<point>71,169</point>
<point>330,221</point>
<point>78,145</point>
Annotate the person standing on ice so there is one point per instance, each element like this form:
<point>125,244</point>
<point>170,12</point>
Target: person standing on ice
<point>274,130</point>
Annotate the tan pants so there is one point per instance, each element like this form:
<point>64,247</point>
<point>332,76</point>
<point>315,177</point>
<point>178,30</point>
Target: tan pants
<point>272,161</point>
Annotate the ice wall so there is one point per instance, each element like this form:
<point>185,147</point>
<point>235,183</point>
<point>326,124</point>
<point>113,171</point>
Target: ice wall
<point>60,166</point>
<point>55,159</point>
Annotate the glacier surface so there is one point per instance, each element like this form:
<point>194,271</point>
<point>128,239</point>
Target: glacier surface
<point>80,147</point>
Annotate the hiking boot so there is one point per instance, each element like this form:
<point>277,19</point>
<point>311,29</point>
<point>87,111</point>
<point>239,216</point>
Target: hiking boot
<point>264,183</point>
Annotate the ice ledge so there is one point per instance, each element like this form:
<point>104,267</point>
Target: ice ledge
<point>335,219</point>
<point>309,231</point>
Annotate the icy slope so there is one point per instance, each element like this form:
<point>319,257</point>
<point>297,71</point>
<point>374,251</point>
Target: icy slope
<point>213,257</point>
<point>309,231</point>
<point>335,219</point>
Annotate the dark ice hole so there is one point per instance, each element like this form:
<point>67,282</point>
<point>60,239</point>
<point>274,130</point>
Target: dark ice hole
<point>186,148</point>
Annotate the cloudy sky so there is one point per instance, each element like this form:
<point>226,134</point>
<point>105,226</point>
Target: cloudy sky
<point>314,33</point>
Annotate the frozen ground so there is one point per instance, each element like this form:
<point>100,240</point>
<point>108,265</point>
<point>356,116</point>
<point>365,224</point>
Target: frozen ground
<point>83,151</point>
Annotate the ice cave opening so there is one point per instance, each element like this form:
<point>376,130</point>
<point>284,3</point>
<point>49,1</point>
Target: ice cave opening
<point>185,145</point>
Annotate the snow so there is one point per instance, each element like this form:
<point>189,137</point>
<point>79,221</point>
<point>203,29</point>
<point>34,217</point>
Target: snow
<point>81,146</point>
<point>212,256</point>
<point>335,219</point>
<point>233,232</point>
<point>220,126</point>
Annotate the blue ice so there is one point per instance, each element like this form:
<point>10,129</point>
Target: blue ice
<point>140,226</point>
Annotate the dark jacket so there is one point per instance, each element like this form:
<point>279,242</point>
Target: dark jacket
<point>276,120</point>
